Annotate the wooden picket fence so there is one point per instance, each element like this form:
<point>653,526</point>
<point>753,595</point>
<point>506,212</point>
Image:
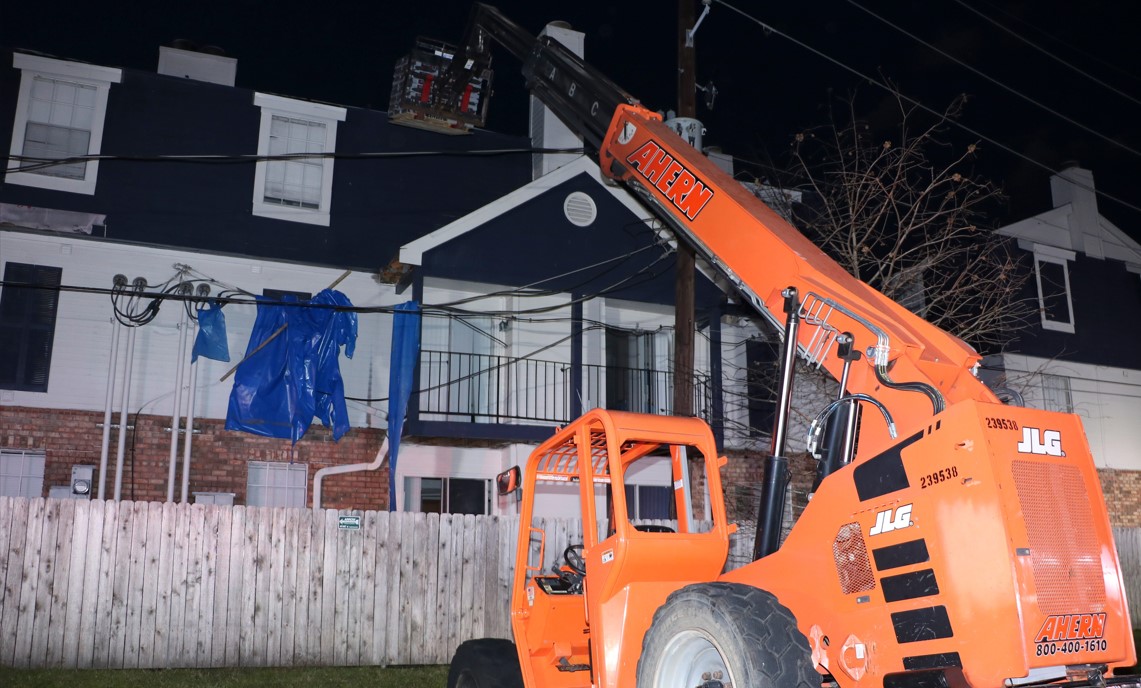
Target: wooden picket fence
<point>149,585</point>
<point>133,584</point>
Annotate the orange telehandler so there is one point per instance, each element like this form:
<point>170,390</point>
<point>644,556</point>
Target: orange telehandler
<point>951,540</point>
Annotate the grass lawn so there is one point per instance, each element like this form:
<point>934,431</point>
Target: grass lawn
<point>340,677</point>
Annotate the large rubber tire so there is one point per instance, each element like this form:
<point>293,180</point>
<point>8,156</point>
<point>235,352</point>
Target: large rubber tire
<point>725,634</point>
<point>485,663</point>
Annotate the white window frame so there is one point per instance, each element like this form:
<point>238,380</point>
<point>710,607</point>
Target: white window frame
<point>1062,257</point>
<point>100,78</point>
<point>327,115</point>
<point>413,492</point>
<point>27,479</point>
<point>296,473</point>
<point>1055,389</point>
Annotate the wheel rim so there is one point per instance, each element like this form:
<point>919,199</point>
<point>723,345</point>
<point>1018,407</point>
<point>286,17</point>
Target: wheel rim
<point>692,659</point>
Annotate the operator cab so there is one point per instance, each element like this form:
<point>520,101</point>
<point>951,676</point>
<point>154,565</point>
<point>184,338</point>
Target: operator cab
<point>608,469</point>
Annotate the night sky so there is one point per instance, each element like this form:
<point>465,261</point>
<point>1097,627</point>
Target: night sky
<point>769,88</point>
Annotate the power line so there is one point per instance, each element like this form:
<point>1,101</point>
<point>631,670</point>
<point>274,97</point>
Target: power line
<point>996,82</point>
<point>1063,42</point>
<point>1047,53</point>
<point>39,163</point>
<point>876,82</point>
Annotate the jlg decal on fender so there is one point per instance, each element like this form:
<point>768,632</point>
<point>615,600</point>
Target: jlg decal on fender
<point>682,187</point>
<point>892,519</point>
<point>1045,442</point>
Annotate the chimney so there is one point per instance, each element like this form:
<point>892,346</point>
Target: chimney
<point>1074,186</point>
<point>188,60</point>
<point>547,130</point>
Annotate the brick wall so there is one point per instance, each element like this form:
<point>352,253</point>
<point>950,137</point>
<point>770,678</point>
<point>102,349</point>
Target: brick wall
<point>220,457</point>
<point>1122,496</point>
<point>218,461</point>
<point>743,478</point>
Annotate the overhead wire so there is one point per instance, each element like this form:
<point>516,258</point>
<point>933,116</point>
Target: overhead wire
<point>1009,89</point>
<point>39,163</point>
<point>768,28</point>
<point>1044,51</point>
<point>1063,42</point>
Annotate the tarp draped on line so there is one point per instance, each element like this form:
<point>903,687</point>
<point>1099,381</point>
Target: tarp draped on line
<point>405,353</point>
<point>211,340</point>
<point>295,376</point>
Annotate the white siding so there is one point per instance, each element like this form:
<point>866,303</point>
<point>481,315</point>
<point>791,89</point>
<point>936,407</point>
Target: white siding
<point>81,349</point>
<point>1107,399</point>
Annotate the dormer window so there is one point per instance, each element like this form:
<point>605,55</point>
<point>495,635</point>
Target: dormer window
<point>59,116</point>
<point>1052,273</point>
<point>294,178</point>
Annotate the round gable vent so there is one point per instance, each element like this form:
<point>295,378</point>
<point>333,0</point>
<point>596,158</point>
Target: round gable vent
<point>580,209</point>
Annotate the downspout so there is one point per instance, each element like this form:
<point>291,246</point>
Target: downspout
<point>105,447</point>
<point>348,468</point>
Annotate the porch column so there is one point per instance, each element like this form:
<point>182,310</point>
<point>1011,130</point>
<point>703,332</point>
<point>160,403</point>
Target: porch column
<point>576,357</point>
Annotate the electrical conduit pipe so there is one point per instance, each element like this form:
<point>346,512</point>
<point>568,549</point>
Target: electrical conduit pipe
<point>124,415</point>
<point>105,447</point>
<point>189,419</point>
<point>348,468</point>
<point>176,411</point>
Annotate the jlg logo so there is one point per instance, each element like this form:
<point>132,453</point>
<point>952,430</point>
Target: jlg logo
<point>1046,442</point>
<point>892,519</point>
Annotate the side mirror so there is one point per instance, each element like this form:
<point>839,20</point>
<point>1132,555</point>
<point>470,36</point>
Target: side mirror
<point>508,481</point>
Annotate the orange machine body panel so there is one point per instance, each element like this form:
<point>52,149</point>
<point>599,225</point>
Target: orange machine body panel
<point>978,546</point>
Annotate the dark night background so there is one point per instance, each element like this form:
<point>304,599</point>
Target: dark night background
<point>344,52</point>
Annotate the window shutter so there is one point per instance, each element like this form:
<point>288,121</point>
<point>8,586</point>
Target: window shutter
<point>27,325</point>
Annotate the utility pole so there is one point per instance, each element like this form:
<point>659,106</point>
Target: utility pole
<point>683,288</point>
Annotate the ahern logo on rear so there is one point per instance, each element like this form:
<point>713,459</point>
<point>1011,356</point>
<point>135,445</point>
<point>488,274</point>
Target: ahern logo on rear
<point>1071,627</point>
<point>682,187</point>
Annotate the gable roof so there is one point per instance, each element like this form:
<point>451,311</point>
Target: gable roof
<point>1075,225</point>
<point>413,252</point>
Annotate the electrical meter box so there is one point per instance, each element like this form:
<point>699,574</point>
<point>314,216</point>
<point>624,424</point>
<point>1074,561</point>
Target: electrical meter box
<point>425,95</point>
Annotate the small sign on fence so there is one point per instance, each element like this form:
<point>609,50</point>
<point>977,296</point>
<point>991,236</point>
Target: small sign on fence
<point>349,522</point>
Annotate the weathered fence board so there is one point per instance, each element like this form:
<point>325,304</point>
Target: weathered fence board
<point>29,584</point>
<point>105,584</point>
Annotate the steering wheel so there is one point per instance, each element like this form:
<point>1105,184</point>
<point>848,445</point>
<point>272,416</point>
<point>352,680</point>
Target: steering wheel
<point>573,571</point>
<point>572,556</point>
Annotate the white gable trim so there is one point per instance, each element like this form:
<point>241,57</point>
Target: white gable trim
<point>413,252</point>
<point>1052,228</point>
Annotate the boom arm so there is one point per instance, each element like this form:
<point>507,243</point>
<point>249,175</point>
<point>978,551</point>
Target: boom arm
<point>751,245</point>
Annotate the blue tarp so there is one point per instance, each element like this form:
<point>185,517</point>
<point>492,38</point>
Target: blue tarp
<point>295,376</point>
<point>211,340</point>
<point>405,353</point>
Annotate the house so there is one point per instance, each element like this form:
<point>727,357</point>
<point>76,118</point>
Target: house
<point>1077,355</point>
<point>544,292</point>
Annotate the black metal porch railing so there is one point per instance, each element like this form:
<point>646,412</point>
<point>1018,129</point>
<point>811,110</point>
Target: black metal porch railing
<point>485,388</point>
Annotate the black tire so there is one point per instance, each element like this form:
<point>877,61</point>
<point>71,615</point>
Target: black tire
<point>485,663</point>
<point>736,634</point>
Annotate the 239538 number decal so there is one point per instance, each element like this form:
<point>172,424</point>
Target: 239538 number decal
<point>926,481</point>
<point>1001,424</point>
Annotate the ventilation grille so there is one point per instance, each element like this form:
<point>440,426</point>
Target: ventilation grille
<point>580,209</point>
<point>1064,550</point>
<point>852,564</point>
